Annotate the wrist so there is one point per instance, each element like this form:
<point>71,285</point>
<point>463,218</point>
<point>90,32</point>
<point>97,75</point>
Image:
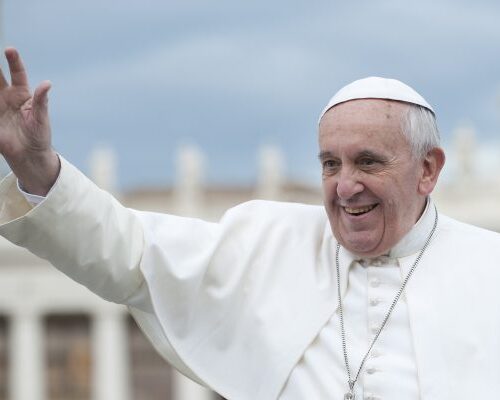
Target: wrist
<point>39,173</point>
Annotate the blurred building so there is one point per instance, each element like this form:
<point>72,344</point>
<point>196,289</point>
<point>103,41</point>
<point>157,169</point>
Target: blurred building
<point>471,193</point>
<point>60,342</point>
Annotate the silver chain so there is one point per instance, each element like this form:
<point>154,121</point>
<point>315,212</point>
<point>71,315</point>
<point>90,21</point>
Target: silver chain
<point>352,382</point>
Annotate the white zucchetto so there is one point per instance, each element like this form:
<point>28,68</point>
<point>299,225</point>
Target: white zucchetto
<point>376,88</point>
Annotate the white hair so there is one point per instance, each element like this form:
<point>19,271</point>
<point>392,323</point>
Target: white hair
<point>420,129</point>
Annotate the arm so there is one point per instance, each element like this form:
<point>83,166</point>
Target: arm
<point>79,228</point>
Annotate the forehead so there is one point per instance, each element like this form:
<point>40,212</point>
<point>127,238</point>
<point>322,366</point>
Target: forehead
<point>372,121</point>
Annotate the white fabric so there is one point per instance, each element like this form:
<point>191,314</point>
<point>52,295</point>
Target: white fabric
<point>235,304</point>
<point>372,285</point>
<point>33,199</point>
<point>390,372</point>
<point>376,88</point>
<point>370,291</point>
<point>371,288</point>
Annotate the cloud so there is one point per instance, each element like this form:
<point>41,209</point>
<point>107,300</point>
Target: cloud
<point>230,75</point>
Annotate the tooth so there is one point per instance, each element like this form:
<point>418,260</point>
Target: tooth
<point>359,210</point>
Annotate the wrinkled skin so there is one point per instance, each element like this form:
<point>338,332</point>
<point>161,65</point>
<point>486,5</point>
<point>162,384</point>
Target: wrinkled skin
<point>374,189</point>
<point>25,136</point>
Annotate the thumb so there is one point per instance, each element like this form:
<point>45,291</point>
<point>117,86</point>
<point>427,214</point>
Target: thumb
<point>41,101</point>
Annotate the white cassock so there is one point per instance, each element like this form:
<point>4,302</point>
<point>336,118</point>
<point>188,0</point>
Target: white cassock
<point>248,306</point>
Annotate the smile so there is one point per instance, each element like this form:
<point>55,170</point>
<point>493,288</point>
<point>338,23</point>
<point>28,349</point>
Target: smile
<point>359,210</point>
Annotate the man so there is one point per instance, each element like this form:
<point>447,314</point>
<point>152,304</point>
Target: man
<point>378,298</point>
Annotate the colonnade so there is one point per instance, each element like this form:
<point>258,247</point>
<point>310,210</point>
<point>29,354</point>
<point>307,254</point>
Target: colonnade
<point>28,295</point>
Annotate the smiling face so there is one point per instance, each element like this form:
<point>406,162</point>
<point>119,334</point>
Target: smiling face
<point>374,190</point>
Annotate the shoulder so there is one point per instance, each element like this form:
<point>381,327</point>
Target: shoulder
<point>463,233</point>
<point>462,228</point>
<point>259,222</point>
<point>272,212</point>
<point>279,206</point>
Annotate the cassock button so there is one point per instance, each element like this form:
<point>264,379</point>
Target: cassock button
<point>375,353</point>
<point>371,370</point>
<point>375,282</point>
<point>374,302</point>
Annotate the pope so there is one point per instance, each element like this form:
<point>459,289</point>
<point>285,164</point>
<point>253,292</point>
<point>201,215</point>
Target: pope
<point>376,295</point>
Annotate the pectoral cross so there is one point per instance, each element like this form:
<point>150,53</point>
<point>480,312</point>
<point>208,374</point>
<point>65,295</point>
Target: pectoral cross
<point>350,394</point>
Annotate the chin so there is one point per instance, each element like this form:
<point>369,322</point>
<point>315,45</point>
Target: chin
<point>365,248</point>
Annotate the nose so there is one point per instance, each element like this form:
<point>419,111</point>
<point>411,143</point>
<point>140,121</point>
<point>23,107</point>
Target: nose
<point>348,184</point>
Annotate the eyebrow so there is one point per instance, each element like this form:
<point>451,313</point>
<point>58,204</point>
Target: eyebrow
<point>370,154</point>
<point>324,154</point>
<point>365,153</point>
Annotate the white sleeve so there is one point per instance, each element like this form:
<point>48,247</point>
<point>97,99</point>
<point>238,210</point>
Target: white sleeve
<point>33,199</point>
<point>80,229</point>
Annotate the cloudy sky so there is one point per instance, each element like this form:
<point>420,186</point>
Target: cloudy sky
<point>145,77</point>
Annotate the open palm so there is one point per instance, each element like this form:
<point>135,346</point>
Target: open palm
<point>25,138</point>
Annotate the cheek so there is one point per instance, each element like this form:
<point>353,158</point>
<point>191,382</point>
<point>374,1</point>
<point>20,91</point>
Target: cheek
<point>396,191</point>
<point>394,205</point>
<point>399,211</point>
<point>329,190</point>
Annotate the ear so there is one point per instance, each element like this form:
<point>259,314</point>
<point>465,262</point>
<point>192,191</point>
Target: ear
<point>431,167</point>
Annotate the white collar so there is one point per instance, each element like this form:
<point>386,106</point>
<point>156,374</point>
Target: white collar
<point>415,239</point>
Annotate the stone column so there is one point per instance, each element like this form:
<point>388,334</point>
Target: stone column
<point>186,389</point>
<point>110,366</point>
<point>103,168</point>
<point>271,177</point>
<point>465,146</point>
<point>26,371</point>
<point>188,187</point>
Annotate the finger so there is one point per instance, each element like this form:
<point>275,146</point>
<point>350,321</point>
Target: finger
<point>3,81</point>
<point>17,72</point>
<point>41,101</point>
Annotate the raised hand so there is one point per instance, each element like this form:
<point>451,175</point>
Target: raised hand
<point>25,137</point>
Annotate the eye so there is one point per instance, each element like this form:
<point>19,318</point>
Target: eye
<point>330,166</point>
<point>367,162</point>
